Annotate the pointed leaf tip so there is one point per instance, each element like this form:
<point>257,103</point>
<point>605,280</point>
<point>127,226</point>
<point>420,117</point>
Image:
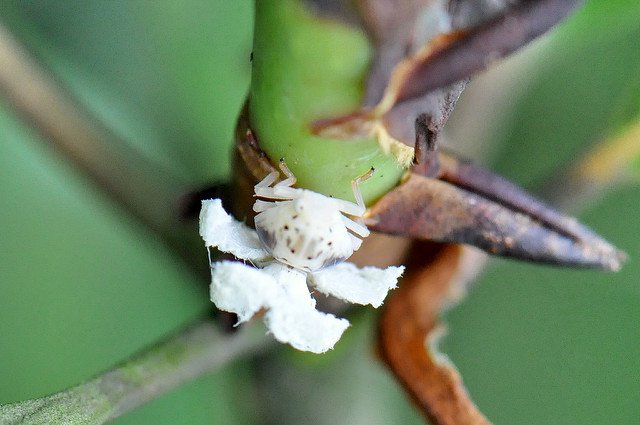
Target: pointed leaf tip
<point>430,209</point>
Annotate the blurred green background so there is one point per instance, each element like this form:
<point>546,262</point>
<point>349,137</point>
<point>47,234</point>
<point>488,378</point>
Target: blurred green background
<point>86,285</point>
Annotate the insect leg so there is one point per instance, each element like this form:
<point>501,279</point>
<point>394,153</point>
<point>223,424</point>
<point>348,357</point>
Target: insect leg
<point>350,208</point>
<point>355,242</point>
<point>267,181</point>
<point>355,186</point>
<point>290,180</point>
<point>355,227</point>
<point>359,208</point>
<point>277,192</point>
<point>261,205</point>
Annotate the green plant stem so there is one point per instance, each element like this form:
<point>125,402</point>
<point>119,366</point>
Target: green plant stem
<point>196,350</point>
<point>307,68</point>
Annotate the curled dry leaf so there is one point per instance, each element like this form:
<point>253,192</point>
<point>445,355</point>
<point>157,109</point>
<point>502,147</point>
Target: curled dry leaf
<point>431,209</point>
<point>408,332</point>
<point>468,176</point>
<point>425,52</point>
<point>397,30</point>
<point>462,53</point>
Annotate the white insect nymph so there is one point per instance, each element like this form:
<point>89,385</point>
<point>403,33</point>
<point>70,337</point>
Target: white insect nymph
<point>300,241</point>
<point>305,229</point>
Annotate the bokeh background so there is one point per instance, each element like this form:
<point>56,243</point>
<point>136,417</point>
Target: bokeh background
<point>84,285</point>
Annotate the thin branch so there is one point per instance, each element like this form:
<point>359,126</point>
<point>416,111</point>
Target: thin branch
<point>143,188</point>
<point>196,350</point>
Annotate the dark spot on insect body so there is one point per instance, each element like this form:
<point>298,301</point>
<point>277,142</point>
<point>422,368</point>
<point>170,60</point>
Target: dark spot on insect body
<point>293,251</point>
<point>286,227</point>
<point>329,243</point>
<point>294,217</point>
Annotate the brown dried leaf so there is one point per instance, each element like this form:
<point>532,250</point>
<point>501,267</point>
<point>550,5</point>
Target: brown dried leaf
<point>398,29</point>
<point>394,29</point>
<point>408,329</point>
<point>460,54</point>
<point>468,176</point>
<point>425,51</point>
<point>430,209</point>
